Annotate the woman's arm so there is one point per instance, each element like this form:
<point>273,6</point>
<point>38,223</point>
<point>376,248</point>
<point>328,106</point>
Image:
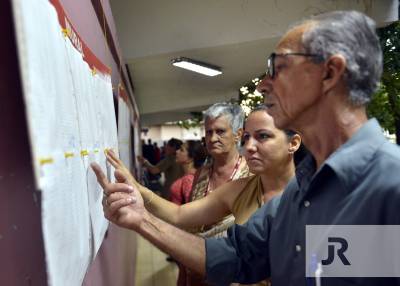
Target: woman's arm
<point>205,211</point>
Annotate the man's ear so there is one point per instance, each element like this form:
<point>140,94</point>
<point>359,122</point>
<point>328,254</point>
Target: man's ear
<point>334,68</point>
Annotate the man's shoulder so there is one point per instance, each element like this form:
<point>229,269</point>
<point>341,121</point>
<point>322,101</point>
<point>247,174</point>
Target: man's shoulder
<point>390,149</point>
<point>382,175</point>
<point>387,158</point>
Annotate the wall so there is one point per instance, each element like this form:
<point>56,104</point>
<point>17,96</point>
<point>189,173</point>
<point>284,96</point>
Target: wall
<point>22,260</point>
<point>160,133</point>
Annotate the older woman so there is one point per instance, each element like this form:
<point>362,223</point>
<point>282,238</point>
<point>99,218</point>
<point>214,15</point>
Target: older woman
<point>269,153</point>
<point>223,124</point>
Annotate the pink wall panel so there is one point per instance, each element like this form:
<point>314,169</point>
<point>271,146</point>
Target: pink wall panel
<point>115,263</point>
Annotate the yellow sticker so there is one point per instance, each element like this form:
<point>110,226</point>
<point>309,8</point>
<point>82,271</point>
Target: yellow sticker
<point>68,154</point>
<point>44,161</point>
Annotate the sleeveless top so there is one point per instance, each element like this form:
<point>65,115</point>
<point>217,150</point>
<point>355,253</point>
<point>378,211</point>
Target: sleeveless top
<point>245,205</point>
<point>200,191</point>
<point>248,201</point>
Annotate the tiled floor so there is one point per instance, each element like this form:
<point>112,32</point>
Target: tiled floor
<point>151,267</point>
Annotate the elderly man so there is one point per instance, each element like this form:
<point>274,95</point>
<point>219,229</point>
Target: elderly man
<point>319,79</point>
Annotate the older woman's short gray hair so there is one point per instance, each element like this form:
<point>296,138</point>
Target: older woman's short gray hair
<point>352,35</point>
<point>233,112</point>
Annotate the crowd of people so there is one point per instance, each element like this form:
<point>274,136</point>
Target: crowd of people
<point>240,216</point>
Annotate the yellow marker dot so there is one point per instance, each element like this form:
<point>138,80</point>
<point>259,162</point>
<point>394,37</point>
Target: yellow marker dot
<point>44,161</point>
<point>68,154</point>
<point>84,153</point>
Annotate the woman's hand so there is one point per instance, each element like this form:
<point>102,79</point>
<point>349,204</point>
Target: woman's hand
<point>119,165</point>
<point>122,203</point>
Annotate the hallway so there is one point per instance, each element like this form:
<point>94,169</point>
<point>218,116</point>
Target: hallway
<point>151,267</point>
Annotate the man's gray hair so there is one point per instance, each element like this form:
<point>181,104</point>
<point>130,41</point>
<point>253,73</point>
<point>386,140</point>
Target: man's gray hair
<point>352,35</point>
<point>233,112</point>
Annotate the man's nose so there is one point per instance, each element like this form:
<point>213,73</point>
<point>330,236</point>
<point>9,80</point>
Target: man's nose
<point>265,85</point>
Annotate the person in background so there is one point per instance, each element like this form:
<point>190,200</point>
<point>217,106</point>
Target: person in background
<point>172,170</point>
<point>157,153</point>
<point>163,150</point>
<point>148,151</point>
<point>191,157</point>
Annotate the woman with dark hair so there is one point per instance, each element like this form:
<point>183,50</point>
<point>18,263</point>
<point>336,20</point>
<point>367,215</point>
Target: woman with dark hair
<point>190,156</point>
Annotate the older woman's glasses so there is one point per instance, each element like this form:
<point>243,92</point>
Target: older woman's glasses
<point>271,61</point>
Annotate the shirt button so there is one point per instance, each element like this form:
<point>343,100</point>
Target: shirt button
<point>307,204</point>
<point>298,248</point>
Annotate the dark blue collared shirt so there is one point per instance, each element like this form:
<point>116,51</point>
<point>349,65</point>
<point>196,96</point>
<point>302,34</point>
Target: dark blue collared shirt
<point>359,184</point>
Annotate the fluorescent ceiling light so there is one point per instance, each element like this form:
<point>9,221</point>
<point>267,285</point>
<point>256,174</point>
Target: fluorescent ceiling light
<point>197,66</point>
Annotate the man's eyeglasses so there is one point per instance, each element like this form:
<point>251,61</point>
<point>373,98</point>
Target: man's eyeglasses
<point>271,61</point>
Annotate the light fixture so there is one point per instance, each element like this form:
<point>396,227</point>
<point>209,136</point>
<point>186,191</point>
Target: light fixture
<point>196,66</point>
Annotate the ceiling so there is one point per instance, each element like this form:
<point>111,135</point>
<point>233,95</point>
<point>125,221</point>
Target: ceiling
<point>236,35</point>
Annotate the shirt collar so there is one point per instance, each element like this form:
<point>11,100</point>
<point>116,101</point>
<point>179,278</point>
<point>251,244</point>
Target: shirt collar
<point>349,161</point>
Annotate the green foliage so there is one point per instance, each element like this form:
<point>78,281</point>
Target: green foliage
<point>193,122</point>
<point>385,105</point>
<point>379,107</point>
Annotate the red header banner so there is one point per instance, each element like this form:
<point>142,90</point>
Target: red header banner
<point>68,30</point>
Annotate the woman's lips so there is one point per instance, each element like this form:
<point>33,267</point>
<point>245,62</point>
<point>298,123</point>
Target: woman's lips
<point>253,159</point>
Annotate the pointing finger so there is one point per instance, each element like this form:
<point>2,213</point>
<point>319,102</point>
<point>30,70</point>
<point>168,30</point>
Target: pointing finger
<point>101,177</point>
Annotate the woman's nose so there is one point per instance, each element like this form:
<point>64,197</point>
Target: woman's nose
<point>250,146</point>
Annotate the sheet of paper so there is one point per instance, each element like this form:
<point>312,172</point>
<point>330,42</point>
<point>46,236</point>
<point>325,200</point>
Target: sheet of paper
<point>66,223</point>
<point>124,133</point>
